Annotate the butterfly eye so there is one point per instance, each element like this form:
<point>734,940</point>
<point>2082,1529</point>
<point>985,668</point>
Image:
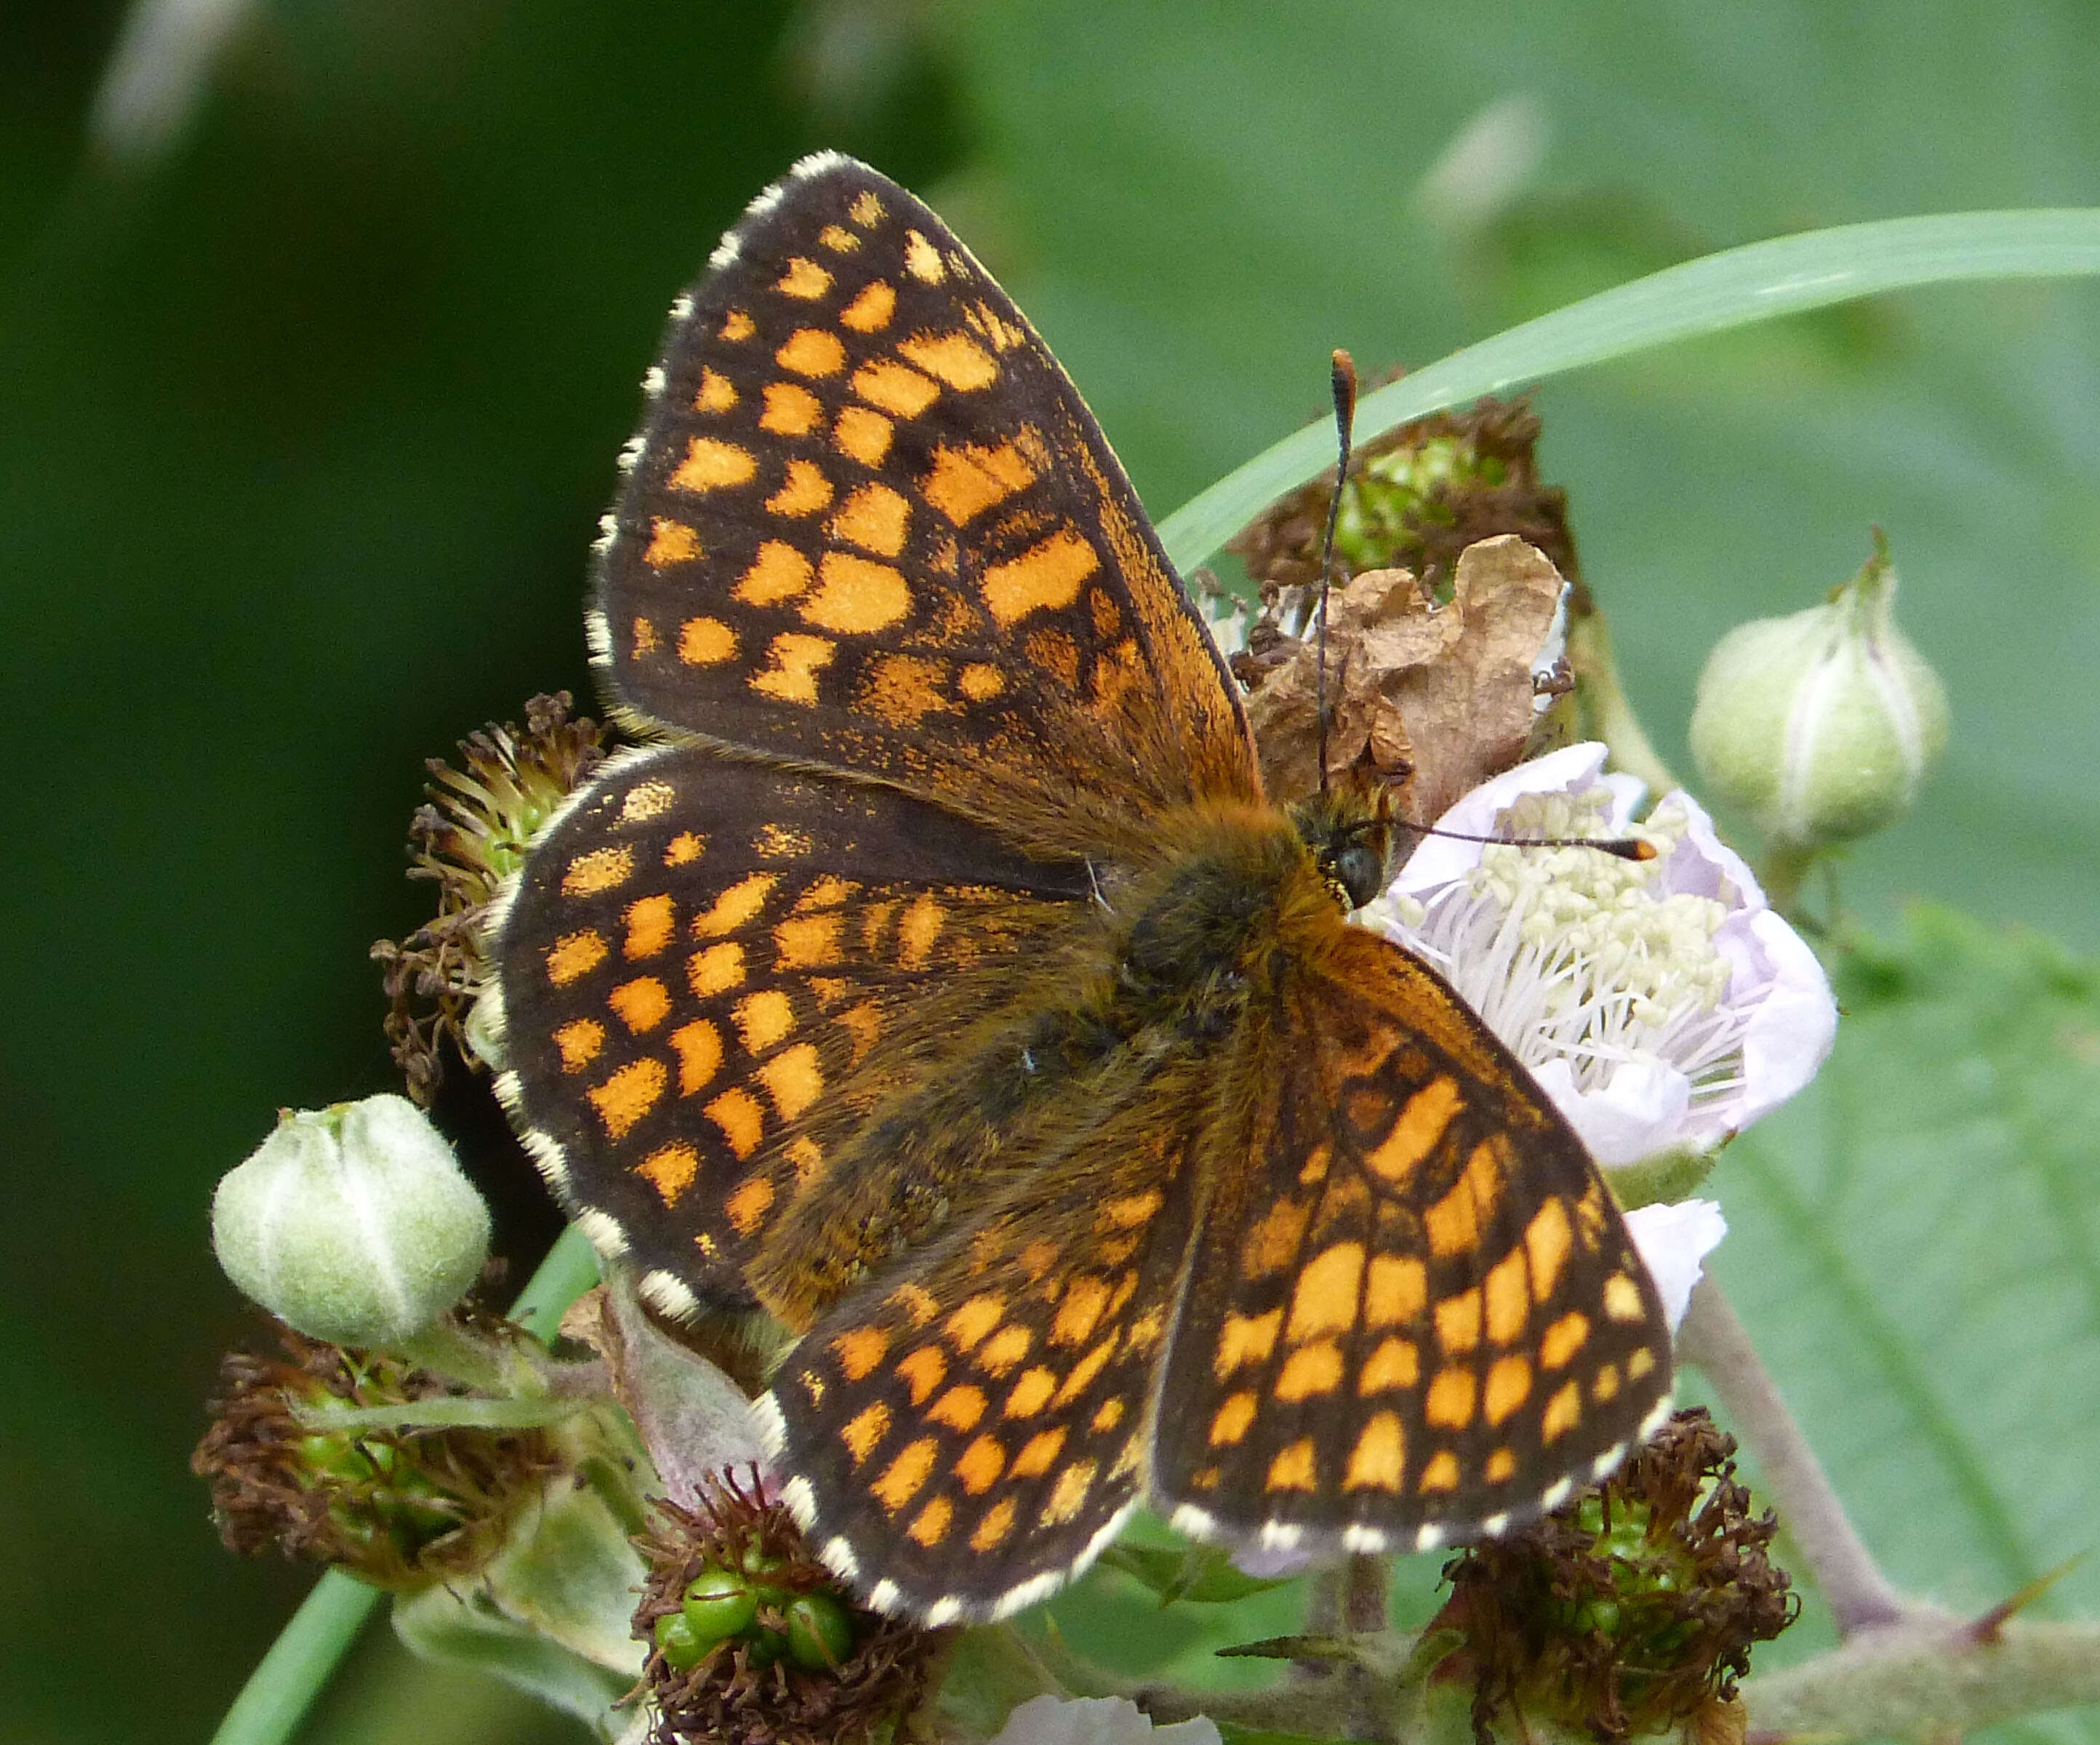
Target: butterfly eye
<point>1360,869</point>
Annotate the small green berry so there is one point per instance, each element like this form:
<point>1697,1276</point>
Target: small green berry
<point>718,1603</point>
<point>820,1635</point>
<point>683,1648</point>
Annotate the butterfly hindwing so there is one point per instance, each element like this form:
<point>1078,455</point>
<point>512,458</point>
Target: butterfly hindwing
<point>698,954</point>
<point>870,524</point>
<point>966,1432</point>
<point>1419,1317</point>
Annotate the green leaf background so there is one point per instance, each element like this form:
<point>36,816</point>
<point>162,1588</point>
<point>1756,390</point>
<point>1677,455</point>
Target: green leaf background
<point>305,427</point>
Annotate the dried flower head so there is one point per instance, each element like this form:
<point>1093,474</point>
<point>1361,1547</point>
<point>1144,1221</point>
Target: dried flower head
<point>751,1642</point>
<point>1630,1609</point>
<point>1417,497</point>
<point>402,1509</point>
<point>469,837</point>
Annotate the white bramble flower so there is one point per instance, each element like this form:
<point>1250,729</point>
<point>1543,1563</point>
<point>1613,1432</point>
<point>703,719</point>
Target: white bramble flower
<point>1097,1720</point>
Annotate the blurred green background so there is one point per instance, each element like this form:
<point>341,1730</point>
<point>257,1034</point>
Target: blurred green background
<point>317,340</point>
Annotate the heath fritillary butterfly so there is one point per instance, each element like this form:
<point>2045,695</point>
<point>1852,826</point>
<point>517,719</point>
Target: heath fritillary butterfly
<point>936,975</point>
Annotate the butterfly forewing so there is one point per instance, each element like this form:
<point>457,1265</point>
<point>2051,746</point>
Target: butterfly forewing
<point>870,523</point>
<point>700,952</point>
<point>1417,1315</point>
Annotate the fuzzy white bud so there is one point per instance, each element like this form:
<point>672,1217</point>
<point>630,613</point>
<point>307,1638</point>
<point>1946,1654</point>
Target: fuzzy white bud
<point>1821,724</point>
<point>353,1223</point>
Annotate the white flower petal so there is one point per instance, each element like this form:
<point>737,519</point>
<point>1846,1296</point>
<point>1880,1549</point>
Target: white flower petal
<point>1675,1241</point>
<point>1097,1720</point>
<point>1639,1110</point>
<point>1791,1032</point>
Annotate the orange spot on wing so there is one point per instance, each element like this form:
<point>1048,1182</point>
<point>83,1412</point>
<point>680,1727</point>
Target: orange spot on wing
<point>934,1521</point>
<point>706,642</point>
<point>574,955</point>
<point>870,310</point>
<point>965,480</point>
<point>1295,1469</point>
<point>1546,1240</point>
<point>922,1371</point>
<point>980,682</point>
<point>980,1465</point>
<point>628,1095</point>
<point>804,279</point>
<point>1501,1466</point>
<point>1564,1412</point>
<point>641,1004</point>
<point>1450,1400</point>
<point>793,1079</point>
<point>578,1042</point>
<point>1455,1222</point>
<point>1563,1339</point>
<point>1068,1494</point>
<point>916,931</point>
<point>671,542</point>
<point>670,1169</point>
<point>1622,1299</point>
<point>1041,1451</point>
<point>866,209</point>
<point>1324,1299</point>
<point>682,850</point>
<point>698,1046</point>
<point>797,660</point>
<point>715,971</point>
<point>736,324</point>
<point>997,1523</point>
<point>713,464</point>
<point>975,1317</point>
<point>861,435</point>
<point>778,572</point>
<point>763,1019</point>
<point>1079,1310</point>
<point>1458,1321</point>
<point>1084,1371</point>
<point>875,518</point>
<point>1273,1243</point>
<point>903,689</point>
<point>600,870</point>
<point>806,942</point>
<point>1395,1363</point>
<point>1420,1127</point>
<point>746,1209</point>
<point>860,1350</point>
<point>812,351</point>
<point>715,393</point>
<point>1004,1349</point>
<point>1310,1371</point>
<point>959,1408</point>
<point>1245,1339</point>
<point>1044,577</point>
<point>1441,1473</point>
<point>1509,1386</point>
<point>855,596</point>
<point>1508,1291</point>
<point>804,490</point>
<point>922,260</point>
<point>865,1430</point>
<point>1379,1458</point>
<point>791,409</point>
<point>901,1479</point>
<point>1395,1291</point>
<point>1031,1394</point>
<point>895,388</point>
<point>650,923</point>
<point>742,1122</point>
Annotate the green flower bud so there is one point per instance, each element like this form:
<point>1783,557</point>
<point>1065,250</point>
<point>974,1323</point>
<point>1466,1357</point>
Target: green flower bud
<point>718,1604</point>
<point>683,1646</point>
<point>1821,724</point>
<point>820,1636</point>
<point>353,1224</point>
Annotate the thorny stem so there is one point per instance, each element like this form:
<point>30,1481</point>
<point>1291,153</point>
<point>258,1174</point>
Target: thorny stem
<point>1859,1594</point>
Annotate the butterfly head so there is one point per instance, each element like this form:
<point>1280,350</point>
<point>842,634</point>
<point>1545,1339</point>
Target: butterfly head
<point>1351,831</point>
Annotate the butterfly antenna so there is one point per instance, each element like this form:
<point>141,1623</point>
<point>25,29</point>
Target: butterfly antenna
<point>1619,848</point>
<point>1343,384</point>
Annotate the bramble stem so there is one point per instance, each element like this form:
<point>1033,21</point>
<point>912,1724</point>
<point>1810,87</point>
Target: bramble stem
<point>1838,1560</point>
